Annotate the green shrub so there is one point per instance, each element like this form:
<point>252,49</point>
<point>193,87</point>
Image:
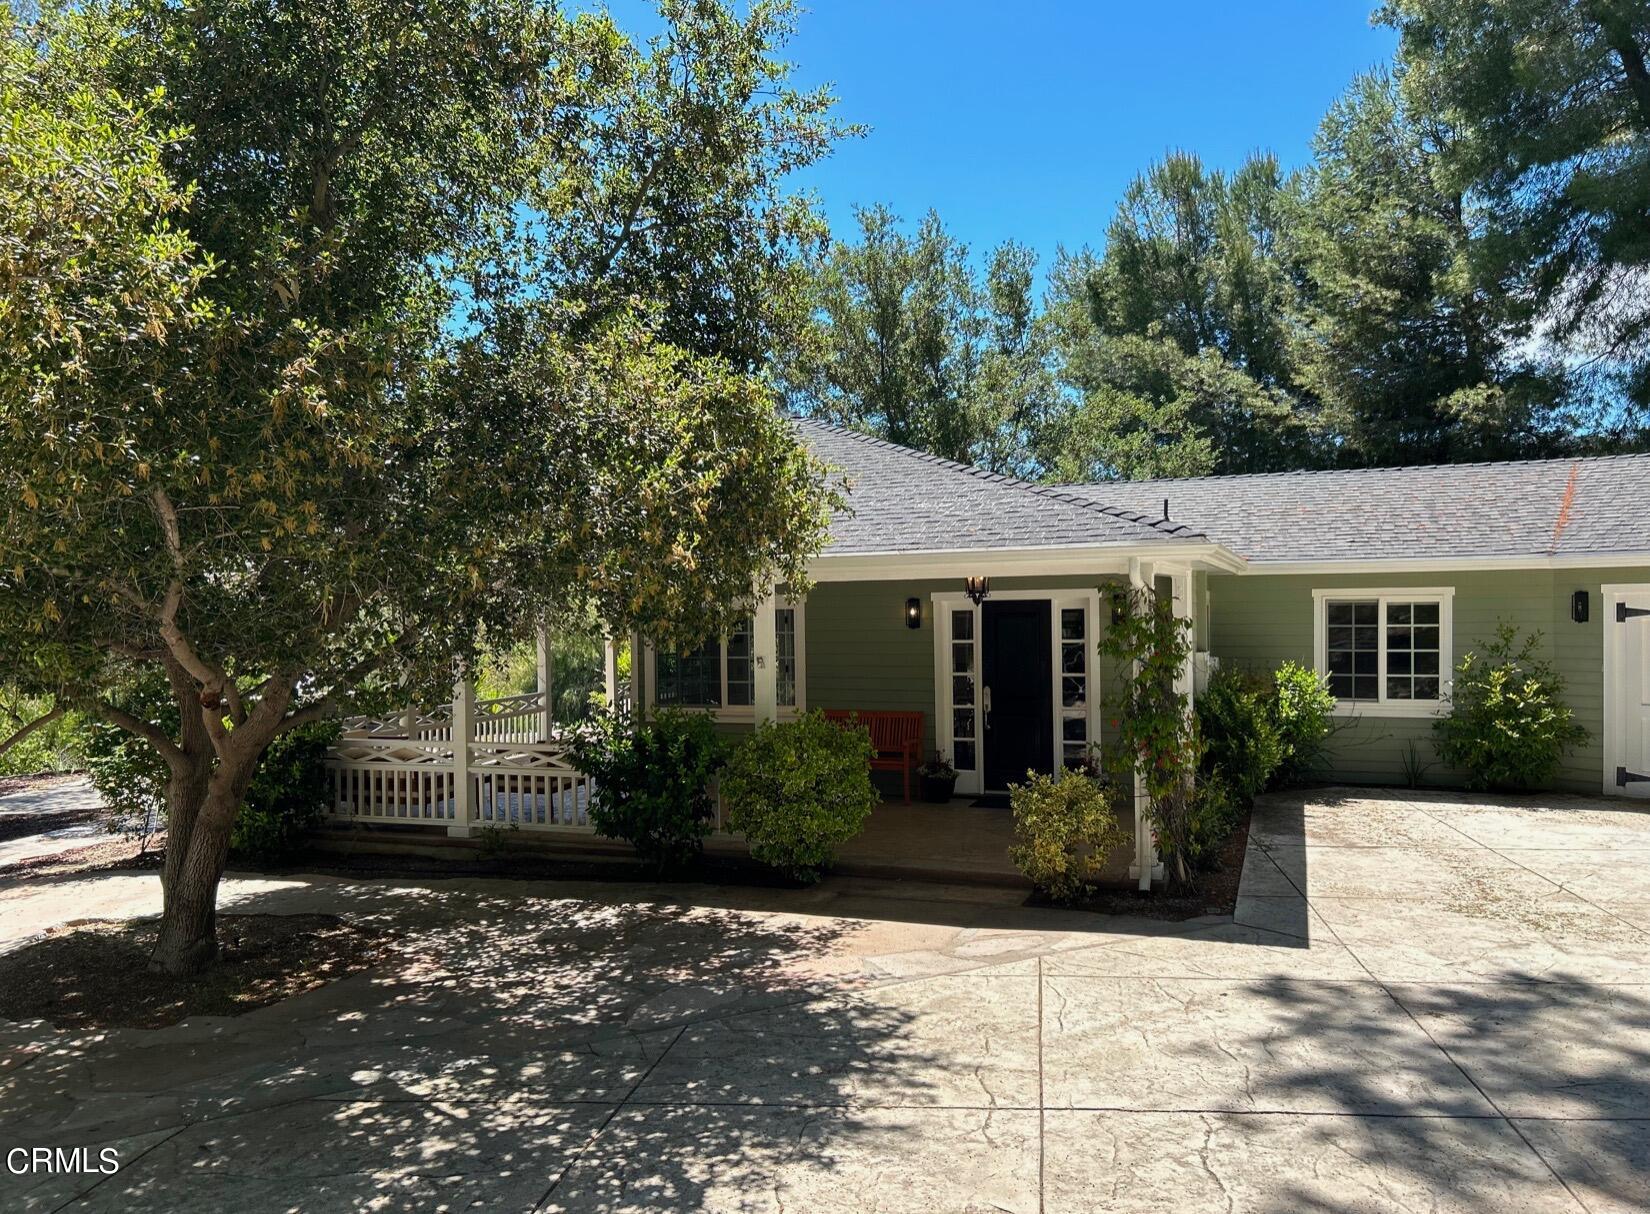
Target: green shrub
<point>1303,715</point>
<point>287,797</point>
<point>798,788</point>
<point>1241,747</point>
<point>1064,829</point>
<point>1213,812</point>
<point>127,771</point>
<point>652,781</point>
<point>1508,726</point>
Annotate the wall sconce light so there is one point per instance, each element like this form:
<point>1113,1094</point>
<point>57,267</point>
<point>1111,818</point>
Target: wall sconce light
<point>913,613</point>
<point>977,589</point>
<point>1578,606</point>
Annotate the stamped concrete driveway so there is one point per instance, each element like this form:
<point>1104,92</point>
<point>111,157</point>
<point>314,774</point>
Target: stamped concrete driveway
<point>1425,1003</point>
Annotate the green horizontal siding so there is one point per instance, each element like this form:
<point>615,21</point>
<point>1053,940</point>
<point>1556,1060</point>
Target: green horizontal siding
<point>1258,621</point>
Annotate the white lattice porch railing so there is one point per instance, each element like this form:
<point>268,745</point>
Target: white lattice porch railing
<point>487,763</point>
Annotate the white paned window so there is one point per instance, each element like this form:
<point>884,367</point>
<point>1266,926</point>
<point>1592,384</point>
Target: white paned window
<point>965,668</point>
<point>720,674</point>
<point>1074,685</point>
<point>1385,652</point>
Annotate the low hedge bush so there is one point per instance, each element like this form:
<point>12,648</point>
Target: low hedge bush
<point>797,789</point>
<point>652,781</point>
<point>1241,745</point>
<point>1064,829</point>
<point>287,797</point>
<point>1508,726</point>
<point>1303,715</point>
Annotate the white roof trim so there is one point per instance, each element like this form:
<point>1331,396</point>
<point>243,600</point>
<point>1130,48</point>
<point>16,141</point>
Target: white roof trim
<point>1447,564</point>
<point>1017,562</point>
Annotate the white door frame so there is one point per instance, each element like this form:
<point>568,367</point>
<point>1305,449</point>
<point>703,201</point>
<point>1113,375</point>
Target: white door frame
<point>944,602</point>
<point>1614,688</point>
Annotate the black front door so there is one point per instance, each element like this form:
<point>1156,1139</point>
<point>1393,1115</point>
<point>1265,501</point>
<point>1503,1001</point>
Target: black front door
<point>1019,686</point>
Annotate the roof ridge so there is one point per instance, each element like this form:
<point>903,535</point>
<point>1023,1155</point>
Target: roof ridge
<point>1575,460</point>
<point>1060,493</point>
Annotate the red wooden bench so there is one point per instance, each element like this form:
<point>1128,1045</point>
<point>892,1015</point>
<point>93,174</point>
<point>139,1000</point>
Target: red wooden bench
<point>896,739</point>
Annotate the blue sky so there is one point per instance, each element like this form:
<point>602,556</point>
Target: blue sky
<point>1027,118</point>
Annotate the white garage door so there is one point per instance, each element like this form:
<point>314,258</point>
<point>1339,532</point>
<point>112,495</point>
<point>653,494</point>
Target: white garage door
<point>1627,683</point>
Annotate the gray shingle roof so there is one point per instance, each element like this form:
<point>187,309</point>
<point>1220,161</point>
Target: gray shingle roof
<point>902,500</point>
<point>1560,507</point>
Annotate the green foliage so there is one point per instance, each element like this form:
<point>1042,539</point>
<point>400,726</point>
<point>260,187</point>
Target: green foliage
<point>1157,731</point>
<point>1064,829</point>
<point>54,746</point>
<point>1409,354</point>
<point>1174,339</point>
<point>1235,716</point>
<point>287,797</point>
<point>333,338</point>
<point>915,345</point>
<point>1508,726</point>
<point>1548,102</point>
<point>1303,715</point>
<point>796,789</point>
<point>652,781</point>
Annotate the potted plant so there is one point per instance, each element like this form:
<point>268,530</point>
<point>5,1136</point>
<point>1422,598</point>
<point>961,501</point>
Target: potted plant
<point>936,779</point>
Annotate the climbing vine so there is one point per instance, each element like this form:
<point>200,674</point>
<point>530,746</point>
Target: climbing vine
<point>1157,733</point>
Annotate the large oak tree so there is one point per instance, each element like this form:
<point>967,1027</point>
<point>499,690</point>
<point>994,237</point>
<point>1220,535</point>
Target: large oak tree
<point>335,331</point>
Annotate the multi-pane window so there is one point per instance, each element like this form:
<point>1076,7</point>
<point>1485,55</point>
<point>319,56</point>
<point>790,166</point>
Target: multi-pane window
<point>1353,647</point>
<point>1385,649</point>
<point>964,678</point>
<point>689,680</point>
<point>1413,642</point>
<point>1074,685</point>
<point>722,671</point>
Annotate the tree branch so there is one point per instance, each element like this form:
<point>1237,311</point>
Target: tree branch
<point>33,725</point>
<point>153,733</point>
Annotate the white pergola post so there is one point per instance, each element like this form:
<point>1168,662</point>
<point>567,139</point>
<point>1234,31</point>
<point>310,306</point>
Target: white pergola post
<point>464,728</point>
<point>1185,608</point>
<point>765,661</point>
<point>547,683</point>
<point>1142,576</point>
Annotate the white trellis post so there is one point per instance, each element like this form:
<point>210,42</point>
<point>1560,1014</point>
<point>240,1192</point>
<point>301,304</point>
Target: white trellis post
<point>1185,680</point>
<point>765,660</point>
<point>1146,866</point>
<point>546,680</point>
<point>464,728</point>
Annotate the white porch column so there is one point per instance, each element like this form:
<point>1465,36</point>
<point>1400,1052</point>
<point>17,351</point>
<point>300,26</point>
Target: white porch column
<point>464,726</point>
<point>765,661</point>
<point>547,682</point>
<point>636,673</point>
<point>1146,866</point>
<point>610,671</point>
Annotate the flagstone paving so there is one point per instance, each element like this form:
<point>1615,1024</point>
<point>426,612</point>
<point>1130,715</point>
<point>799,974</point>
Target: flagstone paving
<point>1425,1001</point>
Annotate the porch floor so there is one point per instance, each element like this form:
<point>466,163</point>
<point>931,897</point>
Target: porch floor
<point>953,841</point>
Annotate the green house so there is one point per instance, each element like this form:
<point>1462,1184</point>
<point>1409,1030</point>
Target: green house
<point>976,600</point>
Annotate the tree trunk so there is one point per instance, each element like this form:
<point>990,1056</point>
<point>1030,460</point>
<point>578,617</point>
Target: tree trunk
<point>195,859</point>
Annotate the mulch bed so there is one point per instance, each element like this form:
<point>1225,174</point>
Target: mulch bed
<point>1215,894</point>
<point>95,974</point>
<point>117,854</point>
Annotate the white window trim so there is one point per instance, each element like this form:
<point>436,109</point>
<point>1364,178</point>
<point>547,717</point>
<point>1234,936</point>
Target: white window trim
<point>743,712</point>
<point>1444,596</point>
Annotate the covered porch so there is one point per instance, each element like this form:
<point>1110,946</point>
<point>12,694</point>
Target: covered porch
<point>1000,662</point>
